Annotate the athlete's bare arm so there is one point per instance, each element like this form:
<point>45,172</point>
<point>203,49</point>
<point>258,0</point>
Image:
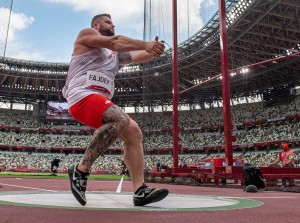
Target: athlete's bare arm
<point>125,58</point>
<point>141,56</point>
<point>90,38</point>
<point>138,56</point>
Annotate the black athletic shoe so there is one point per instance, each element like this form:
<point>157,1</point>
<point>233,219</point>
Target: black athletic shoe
<point>146,195</point>
<point>78,183</point>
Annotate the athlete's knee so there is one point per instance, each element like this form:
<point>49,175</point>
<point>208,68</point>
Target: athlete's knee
<point>137,132</point>
<point>133,133</point>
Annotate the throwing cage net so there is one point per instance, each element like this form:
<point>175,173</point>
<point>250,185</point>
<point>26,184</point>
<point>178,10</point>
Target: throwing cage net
<point>5,15</point>
<point>256,50</point>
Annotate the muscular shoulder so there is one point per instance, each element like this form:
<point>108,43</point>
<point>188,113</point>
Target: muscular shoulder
<point>84,41</point>
<point>87,31</point>
<point>92,38</point>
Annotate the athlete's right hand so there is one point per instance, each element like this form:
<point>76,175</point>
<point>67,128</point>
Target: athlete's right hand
<point>155,48</point>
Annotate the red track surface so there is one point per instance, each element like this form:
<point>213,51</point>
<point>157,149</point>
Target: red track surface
<point>278,207</point>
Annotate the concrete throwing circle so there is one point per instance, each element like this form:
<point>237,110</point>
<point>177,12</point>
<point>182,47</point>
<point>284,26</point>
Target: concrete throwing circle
<point>123,202</point>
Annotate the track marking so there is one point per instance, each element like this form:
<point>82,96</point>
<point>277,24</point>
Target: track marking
<point>101,181</point>
<point>120,186</point>
<point>33,188</point>
<point>123,201</point>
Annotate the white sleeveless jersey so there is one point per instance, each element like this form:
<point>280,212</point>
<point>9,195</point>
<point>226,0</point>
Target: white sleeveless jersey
<point>89,73</point>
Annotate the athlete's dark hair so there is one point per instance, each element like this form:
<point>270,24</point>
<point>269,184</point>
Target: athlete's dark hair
<point>99,16</point>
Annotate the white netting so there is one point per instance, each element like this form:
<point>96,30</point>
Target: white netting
<point>191,17</point>
<point>5,10</point>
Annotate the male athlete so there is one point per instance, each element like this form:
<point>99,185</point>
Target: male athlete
<point>95,61</point>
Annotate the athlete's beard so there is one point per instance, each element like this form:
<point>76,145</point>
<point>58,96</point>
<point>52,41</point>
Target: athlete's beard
<point>106,32</point>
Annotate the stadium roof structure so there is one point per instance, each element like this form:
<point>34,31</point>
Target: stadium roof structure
<point>257,31</point>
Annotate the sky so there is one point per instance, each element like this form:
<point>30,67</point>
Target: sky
<point>45,30</point>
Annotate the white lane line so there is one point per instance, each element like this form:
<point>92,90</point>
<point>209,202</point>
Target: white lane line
<point>120,186</point>
<point>101,181</point>
<point>32,188</point>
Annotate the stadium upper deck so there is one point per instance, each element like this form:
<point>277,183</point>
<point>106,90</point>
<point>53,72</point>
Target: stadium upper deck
<point>257,31</point>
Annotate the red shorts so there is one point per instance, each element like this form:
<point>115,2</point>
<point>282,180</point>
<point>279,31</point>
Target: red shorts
<point>90,109</point>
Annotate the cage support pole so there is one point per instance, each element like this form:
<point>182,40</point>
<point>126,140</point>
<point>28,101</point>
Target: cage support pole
<point>225,88</point>
<point>175,87</point>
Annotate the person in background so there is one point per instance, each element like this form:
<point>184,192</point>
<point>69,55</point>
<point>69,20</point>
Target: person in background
<point>287,159</point>
<point>286,156</point>
<point>124,170</point>
<point>5,167</point>
<point>54,166</point>
<point>158,167</point>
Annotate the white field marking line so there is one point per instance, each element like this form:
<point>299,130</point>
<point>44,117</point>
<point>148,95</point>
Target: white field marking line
<point>101,181</point>
<point>33,188</point>
<point>120,186</point>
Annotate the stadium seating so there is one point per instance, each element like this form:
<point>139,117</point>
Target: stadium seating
<point>21,129</point>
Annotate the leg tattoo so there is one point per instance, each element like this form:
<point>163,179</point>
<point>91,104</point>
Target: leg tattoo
<point>115,122</point>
